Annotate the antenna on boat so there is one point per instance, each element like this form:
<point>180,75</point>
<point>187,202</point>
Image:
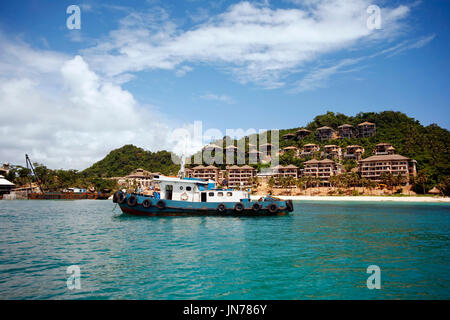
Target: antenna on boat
<point>183,161</point>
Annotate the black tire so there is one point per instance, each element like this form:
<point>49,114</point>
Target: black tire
<point>273,208</point>
<point>221,208</point>
<point>161,204</point>
<point>122,198</point>
<point>289,205</point>
<point>116,196</point>
<point>132,201</point>
<point>146,203</point>
<point>238,207</point>
<point>256,207</point>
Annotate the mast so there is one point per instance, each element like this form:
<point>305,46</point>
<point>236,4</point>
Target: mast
<point>30,166</point>
<point>183,160</point>
<point>181,171</point>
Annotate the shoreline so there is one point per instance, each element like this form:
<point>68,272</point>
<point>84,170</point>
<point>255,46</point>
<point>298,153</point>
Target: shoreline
<point>361,198</point>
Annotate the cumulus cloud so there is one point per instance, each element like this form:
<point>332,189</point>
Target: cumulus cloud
<point>60,112</point>
<point>253,41</point>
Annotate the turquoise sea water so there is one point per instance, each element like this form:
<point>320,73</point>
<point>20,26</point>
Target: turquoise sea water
<point>321,251</point>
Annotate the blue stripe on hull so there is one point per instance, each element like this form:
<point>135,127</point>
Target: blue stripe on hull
<point>178,208</point>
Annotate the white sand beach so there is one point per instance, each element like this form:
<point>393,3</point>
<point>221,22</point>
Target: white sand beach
<point>361,198</point>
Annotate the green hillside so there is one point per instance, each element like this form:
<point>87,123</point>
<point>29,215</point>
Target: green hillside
<point>428,145</point>
<point>122,161</point>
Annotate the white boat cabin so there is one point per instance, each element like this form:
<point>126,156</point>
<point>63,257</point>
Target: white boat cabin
<point>194,190</point>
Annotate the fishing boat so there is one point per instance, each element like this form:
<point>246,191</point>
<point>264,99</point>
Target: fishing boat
<point>189,196</point>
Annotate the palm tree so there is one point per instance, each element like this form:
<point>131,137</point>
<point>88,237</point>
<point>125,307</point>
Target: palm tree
<point>300,183</point>
<point>271,182</point>
<point>308,182</point>
<point>364,183</point>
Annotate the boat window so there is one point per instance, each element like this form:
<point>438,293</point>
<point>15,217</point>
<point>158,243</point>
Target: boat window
<point>229,194</point>
<point>220,194</point>
<point>188,188</point>
<point>211,194</point>
<point>181,187</point>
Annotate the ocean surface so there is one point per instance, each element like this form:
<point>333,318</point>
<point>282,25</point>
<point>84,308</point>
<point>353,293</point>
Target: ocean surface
<point>321,251</point>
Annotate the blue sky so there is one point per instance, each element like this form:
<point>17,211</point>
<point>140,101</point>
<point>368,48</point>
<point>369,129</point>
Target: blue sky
<point>138,69</point>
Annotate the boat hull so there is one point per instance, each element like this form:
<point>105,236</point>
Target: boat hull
<point>184,208</point>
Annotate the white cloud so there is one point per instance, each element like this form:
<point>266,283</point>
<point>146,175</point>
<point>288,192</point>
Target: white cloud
<point>181,72</point>
<point>254,42</point>
<point>60,112</point>
<point>317,78</point>
<point>409,45</point>
<point>217,97</point>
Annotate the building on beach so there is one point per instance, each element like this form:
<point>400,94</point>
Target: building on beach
<point>286,171</point>
<point>322,169</point>
<point>240,176</point>
<point>375,166</point>
<point>140,178</point>
<point>206,173</point>
<point>346,131</point>
<point>366,129</point>
<point>5,186</point>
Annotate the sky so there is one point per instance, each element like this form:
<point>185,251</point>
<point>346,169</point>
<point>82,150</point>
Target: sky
<point>140,72</point>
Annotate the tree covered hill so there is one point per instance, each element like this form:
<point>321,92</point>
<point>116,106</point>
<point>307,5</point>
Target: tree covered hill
<point>429,145</point>
<point>122,161</point>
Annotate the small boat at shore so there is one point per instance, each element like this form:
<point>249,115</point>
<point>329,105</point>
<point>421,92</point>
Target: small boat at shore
<point>189,196</point>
